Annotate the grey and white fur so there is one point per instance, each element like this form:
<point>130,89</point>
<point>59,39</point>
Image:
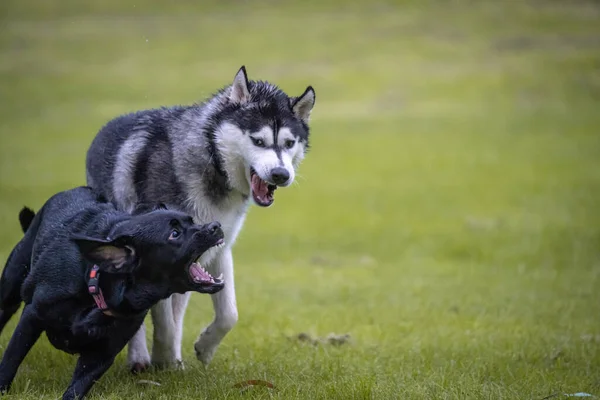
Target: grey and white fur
<point>212,160</point>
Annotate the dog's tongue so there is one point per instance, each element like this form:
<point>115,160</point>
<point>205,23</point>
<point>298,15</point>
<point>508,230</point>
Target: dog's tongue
<point>199,274</point>
<point>259,187</point>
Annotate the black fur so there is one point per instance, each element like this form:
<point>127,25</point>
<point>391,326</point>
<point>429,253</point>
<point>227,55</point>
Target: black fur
<point>141,262</point>
<point>25,218</point>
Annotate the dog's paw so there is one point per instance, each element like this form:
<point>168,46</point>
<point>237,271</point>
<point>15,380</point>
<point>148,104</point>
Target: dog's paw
<point>165,358</point>
<point>203,353</point>
<point>91,332</point>
<point>98,331</point>
<point>139,367</point>
<point>95,332</point>
<point>174,365</point>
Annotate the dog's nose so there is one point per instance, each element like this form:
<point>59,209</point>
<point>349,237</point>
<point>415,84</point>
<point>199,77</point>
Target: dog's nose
<point>213,227</point>
<point>280,175</point>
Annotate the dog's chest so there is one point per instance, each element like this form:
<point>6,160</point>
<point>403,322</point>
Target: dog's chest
<point>231,216</point>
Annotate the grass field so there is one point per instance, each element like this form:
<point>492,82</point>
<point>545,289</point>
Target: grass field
<point>447,216</point>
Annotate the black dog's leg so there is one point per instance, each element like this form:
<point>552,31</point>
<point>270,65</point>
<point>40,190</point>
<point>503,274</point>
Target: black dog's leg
<point>94,363</point>
<point>13,276</point>
<point>90,367</point>
<point>26,334</point>
<point>6,314</point>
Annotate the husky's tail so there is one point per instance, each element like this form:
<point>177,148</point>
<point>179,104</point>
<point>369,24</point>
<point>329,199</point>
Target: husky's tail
<point>26,218</point>
<point>17,267</point>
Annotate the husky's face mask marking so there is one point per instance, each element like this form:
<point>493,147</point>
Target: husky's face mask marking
<point>272,162</point>
<point>263,137</point>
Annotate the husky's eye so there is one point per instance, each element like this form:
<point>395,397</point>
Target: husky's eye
<point>175,233</point>
<point>258,142</point>
<point>289,144</point>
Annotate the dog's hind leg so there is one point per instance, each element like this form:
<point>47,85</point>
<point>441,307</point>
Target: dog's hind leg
<point>226,314</point>
<point>6,314</point>
<point>13,276</point>
<point>26,334</point>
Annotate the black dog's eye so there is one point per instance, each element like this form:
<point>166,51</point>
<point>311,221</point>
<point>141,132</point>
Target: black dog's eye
<point>174,234</point>
<point>258,142</point>
<point>289,144</point>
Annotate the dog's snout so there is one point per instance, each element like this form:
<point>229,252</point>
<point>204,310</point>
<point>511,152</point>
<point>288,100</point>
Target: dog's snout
<point>214,227</point>
<point>280,175</point>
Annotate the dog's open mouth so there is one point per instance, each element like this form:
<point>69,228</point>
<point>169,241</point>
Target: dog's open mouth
<point>201,277</point>
<point>205,282</point>
<point>262,192</point>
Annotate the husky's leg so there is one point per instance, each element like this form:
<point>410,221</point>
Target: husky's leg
<point>179,304</point>
<point>138,357</point>
<point>225,307</point>
<point>163,351</point>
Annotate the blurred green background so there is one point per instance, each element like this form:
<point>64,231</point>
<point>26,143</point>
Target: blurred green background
<point>447,216</point>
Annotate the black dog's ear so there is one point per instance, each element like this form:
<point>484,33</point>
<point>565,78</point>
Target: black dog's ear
<point>303,105</point>
<point>111,256</point>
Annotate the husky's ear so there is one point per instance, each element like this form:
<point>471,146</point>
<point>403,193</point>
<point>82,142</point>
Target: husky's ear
<point>239,90</point>
<point>111,256</point>
<point>303,105</point>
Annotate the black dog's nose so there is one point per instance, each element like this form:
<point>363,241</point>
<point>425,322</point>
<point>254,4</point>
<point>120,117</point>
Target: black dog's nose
<point>280,175</point>
<point>213,227</point>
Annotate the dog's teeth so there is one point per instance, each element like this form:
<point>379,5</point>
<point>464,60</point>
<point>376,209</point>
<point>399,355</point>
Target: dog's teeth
<point>220,277</point>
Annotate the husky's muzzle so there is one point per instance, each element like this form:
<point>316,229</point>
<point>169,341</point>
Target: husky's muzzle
<point>262,191</point>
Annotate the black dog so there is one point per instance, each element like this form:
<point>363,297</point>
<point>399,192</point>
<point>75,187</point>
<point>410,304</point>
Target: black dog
<point>88,275</point>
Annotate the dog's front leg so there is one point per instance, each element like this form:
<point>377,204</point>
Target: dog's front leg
<point>138,356</point>
<point>24,337</point>
<point>164,346</point>
<point>226,314</point>
<point>90,367</point>
<point>179,303</point>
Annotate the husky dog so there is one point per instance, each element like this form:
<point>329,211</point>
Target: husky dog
<point>211,160</point>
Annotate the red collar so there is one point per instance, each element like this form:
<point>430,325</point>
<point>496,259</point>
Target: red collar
<point>96,292</point>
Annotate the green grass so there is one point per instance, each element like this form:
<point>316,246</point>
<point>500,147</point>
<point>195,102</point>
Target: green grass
<point>447,215</point>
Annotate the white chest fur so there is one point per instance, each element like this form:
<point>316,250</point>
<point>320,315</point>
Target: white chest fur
<point>231,215</point>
